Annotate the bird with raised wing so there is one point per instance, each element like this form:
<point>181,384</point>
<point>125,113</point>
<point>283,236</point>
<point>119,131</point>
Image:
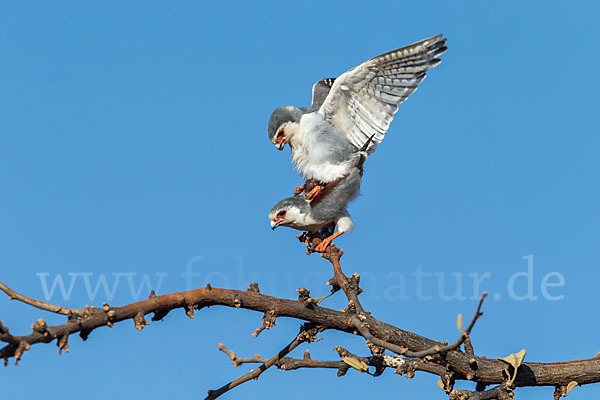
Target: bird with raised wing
<point>319,215</point>
<point>347,111</point>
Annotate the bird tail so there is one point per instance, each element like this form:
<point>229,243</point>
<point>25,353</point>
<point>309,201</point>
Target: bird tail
<point>363,154</point>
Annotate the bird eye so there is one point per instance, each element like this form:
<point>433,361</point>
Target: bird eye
<point>280,133</point>
<point>281,214</point>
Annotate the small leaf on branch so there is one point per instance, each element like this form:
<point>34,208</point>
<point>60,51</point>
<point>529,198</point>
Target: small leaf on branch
<point>356,364</point>
<point>459,322</point>
<point>514,359</point>
<point>571,385</point>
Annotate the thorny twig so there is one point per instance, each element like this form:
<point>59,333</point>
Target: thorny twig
<point>446,361</point>
<point>400,364</point>
<point>307,333</point>
<point>495,393</point>
<point>436,349</point>
<point>348,285</point>
<point>12,295</point>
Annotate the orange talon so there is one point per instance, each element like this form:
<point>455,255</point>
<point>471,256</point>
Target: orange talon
<point>314,192</point>
<point>321,247</point>
<point>298,189</point>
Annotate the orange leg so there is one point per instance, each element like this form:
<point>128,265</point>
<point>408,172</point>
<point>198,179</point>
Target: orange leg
<point>298,189</point>
<point>314,192</point>
<point>321,247</point>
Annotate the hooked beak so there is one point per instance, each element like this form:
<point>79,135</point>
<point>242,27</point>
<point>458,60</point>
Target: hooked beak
<point>275,224</point>
<point>281,145</point>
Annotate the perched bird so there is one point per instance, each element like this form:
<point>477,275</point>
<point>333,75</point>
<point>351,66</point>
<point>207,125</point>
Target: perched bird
<point>322,213</point>
<point>359,104</point>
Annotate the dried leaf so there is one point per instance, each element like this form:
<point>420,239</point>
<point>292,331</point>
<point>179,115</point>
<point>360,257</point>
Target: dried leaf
<point>514,359</point>
<point>571,385</point>
<point>356,364</point>
<point>440,383</point>
<point>459,322</point>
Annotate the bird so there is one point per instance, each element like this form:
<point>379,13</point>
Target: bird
<point>321,214</point>
<point>348,110</point>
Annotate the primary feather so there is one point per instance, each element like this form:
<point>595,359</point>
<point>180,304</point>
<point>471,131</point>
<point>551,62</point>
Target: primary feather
<point>346,112</point>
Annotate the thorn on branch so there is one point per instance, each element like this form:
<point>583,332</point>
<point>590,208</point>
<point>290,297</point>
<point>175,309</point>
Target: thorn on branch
<point>21,348</point>
<point>268,322</point>
<point>469,347</point>
<point>343,370</point>
<point>334,286</point>
<point>139,321</point>
<point>40,326</point>
<point>230,353</point>
<point>306,356</point>
<point>446,382</point>
<point>253,288</point>
<point>63,344</point>
<point>159,315</point>
<point>495,393</point>
<point>563,391</point>
<point>351,307</point>
<point>353,283</point>
<point>237,301</point>
<point>189,310</point>
<point>304,297</point>
<point>3,329</point>
<point>84,334</point>
<point>377,351</point>
<point>308,332</point>
<point>560,391</point>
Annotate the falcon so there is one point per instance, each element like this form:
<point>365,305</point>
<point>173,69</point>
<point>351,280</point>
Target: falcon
<point>322,213</point>
<point>346,112</point>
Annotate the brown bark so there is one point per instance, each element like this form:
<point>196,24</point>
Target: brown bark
<point>413,352</point>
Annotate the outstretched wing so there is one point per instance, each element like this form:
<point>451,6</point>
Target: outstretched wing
<point>320,91</point>
<point>362,101</point>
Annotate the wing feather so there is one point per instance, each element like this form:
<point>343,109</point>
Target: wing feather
<point>320,91</point>
<point>362,102</point>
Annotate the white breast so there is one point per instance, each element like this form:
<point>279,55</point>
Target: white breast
<point>313,150</point>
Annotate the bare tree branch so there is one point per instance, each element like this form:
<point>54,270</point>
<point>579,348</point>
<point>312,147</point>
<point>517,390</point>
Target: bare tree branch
<point>12,295</point>
<point>307,333</point>
<point>495,393</point>
<point>416,353</point>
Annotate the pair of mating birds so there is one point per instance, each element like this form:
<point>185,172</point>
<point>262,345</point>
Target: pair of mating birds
<point>331,139</point>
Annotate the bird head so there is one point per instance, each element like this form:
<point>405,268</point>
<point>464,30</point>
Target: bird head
<point>288,212</point>
<point>283,124</point>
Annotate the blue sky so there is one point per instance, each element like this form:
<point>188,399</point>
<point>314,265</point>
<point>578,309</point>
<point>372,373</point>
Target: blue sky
<point>133,146</point>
